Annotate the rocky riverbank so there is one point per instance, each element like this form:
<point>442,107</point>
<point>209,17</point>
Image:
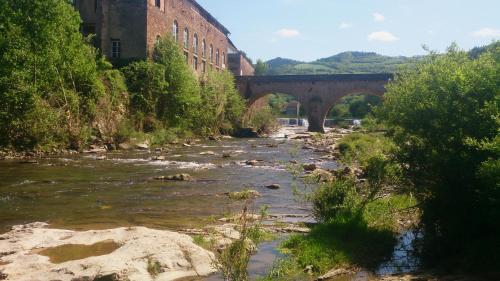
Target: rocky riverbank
<point>140,254</point>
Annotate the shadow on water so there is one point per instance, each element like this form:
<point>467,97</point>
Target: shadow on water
<point>402,260</point>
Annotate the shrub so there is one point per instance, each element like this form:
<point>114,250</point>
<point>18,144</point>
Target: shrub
<point>223,106</point>
<point>262,119</point>
<point>335,201</point>
<point>180,106</point>
<point>438,113</point>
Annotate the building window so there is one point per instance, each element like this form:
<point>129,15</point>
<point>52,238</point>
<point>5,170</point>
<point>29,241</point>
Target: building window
<point>195,63</point>
<point>223,60</point>
<point>175,31</point>
<point>186,57</point>
<point>203,66</point>
<point>186,39</point>
<point>217,57</point>
<point>116,48</point>
<point>88,29</point>
<point>211,54</point>
<point>195,43</point>
<point>158,3</point>
<point>203,49</point>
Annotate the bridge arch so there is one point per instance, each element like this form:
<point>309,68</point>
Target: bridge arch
<point>317,93</point>
<point>340,98</point>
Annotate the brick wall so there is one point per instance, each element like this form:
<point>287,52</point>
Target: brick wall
<point>138,24</point>
<point>187,15</point>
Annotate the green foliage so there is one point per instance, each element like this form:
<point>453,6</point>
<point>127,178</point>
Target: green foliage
<point>50,82</point>
<point>223,106</point>
<point>438,113</point>
<point>180,107</point>
<point>335,201</point>
<point>356,106</point>
<point>148,89</point>
<point>244,194</point>
<point>154,267</point>
<point>374,154</point>
<point>260,68</point>
<point>263,119</point>
<point>341,243</point>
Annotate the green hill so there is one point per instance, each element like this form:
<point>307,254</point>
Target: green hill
<point>347,62</point>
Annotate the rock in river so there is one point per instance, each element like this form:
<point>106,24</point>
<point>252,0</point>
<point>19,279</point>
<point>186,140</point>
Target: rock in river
<point>252,162</point>
<point>142,146</point>
<point>175,254</point>
<point>274,186</point>
<point>124,146</point>
<point>309,167</point>
<point>207,153</point>
<point>178,177</point>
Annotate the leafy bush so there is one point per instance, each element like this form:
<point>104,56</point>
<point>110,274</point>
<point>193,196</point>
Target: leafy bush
<point>335,200</point>
<point>148,88</point>
<point>439,112</point>
<point>223,106</point>
<point>180,106</point>
<point>51,85</point>
<point>262,119</point>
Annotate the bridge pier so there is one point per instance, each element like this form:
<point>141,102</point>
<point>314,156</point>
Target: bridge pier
<point>314,109</point>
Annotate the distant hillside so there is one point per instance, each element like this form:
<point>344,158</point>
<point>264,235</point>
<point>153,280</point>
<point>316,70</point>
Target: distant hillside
<point>347,62</point>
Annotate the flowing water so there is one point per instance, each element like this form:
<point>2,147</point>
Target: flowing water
<point>87,192</point>
<point>84,193</point>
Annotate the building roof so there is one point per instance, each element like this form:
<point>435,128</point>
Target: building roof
<point>210,18</point>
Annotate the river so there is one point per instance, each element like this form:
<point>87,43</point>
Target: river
<point>82,193</point>
<point>103,191</point>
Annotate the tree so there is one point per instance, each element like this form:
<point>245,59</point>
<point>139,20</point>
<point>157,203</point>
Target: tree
<point>223,106</point>
<point>260,68</point>
<point>148,87</point>
<point>48,74</point>
<point>444,117</point>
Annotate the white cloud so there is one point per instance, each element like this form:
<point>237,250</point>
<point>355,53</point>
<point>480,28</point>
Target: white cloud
<point>487,32</point>
<point>345,25</point>
<point>378,17</point>
<point>288,33</point>
<point>382,36</point>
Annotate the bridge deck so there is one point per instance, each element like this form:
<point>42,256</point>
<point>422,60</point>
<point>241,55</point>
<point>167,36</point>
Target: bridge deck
<point>314,78</point>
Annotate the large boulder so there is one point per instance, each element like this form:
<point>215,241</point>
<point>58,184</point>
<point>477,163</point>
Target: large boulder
<point>178,177</point>
<point>174,255</point>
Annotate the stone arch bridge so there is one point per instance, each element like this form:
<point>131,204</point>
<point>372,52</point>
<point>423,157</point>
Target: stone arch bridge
<point>316,93</point>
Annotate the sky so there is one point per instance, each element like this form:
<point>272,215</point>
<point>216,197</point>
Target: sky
<point>307,30</point>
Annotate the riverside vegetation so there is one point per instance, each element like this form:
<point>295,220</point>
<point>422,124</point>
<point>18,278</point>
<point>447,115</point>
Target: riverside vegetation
<point>430,162</point>
<point>57,91</point>
<point>426,161</point>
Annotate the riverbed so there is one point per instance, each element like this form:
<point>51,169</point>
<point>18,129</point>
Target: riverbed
<point>101,191</point>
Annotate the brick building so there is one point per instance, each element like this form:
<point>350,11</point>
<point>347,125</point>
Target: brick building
<point>127,30</point>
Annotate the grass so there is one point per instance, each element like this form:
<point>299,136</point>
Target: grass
<point>202,242</point>
<point>244,195</point>
<point>154,267</point>
<point>341,244</point>
<point>365,240</point>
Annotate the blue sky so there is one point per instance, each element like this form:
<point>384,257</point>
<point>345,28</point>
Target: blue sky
<point>312,29</point>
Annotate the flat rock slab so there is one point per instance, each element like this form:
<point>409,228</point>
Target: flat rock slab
<point>176,254</point>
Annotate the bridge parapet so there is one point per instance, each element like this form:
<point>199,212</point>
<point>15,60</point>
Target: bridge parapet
<point>316,78</point>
